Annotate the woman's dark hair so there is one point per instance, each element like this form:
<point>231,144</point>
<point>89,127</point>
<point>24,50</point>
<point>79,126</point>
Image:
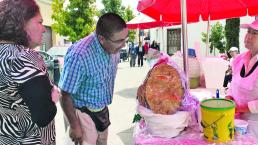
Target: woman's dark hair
<point>14,14</point>
<point>109,23</point>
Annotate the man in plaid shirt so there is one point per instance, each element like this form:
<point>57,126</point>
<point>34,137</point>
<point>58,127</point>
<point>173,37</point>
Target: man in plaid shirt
<point>87,80</point>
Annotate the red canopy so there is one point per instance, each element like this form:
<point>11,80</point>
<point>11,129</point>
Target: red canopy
<point>145,22</point>
<point>170,10</point>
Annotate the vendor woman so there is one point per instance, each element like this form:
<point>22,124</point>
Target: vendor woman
<point>244,86</point>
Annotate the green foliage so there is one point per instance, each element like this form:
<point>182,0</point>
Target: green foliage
<point>217,38</point>
<point>204,37</point>
<point>132,34</point>
<point>114,6</point>
<point>76,20</point>
<point>128,14</point>
<point>137,118</point>
<point>232,32</point>
<point>127,17</point>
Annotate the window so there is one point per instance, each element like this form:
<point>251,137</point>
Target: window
<point>173,40</point>
<point>47,39</point>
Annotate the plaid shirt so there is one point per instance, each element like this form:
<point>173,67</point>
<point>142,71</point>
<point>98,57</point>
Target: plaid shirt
<point>89,73</point>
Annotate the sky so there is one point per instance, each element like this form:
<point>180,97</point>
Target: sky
<point>131,3</point>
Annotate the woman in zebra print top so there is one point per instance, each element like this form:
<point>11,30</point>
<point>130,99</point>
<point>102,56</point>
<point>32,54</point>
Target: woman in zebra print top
<point>27,106</point>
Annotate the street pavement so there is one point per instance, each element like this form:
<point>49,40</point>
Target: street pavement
<point>123,107</point>
<point>121,110</point>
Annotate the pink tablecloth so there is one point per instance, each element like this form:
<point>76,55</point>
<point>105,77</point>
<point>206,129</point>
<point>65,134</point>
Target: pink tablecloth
<point>191,136</point>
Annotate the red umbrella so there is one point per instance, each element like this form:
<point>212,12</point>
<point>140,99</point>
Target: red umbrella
<point>170,10</point>
<point>192,10</point>
<point>145,22</point>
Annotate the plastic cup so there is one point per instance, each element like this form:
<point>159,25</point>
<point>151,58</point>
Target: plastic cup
<point>240,127</point>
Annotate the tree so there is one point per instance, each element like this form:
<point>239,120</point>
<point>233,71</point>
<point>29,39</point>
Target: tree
<point>76,20</point>
<point>127,17</point>
<point>217,38</point>
<point>114,6</point>
<point>128,14</point>
<point>232,32</point>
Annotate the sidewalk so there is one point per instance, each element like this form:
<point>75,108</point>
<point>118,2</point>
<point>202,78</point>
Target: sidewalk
<point>122,109</point>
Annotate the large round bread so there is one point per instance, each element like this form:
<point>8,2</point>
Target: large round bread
<point>162,92</point>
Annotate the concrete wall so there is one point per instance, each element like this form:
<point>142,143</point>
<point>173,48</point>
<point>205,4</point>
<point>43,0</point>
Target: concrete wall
<point>46,12</point>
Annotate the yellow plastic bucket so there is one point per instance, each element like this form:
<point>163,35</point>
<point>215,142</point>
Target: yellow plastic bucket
<point>218,119</point>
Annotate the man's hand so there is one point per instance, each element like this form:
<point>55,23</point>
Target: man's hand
<point>75,131</point>
<point>76,134</point>
<point>55,94</point>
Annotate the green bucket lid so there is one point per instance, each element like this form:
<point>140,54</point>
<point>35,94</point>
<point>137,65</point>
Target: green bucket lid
<point>217,104</point>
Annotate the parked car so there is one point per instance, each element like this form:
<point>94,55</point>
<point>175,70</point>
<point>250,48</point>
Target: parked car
<point>49,61</point>
<point>58,52</point>
<point>53,66</point>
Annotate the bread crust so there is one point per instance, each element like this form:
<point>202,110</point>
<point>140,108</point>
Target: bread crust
<point>162,91</point>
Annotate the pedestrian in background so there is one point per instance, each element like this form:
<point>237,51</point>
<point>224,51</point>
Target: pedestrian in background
<point>233,51</point>
<point>27,96</point>
<point>88,77</point>
<point>140,54</point>
<point>146,47</point>
<point>155,45</point>
<point>133,54</point>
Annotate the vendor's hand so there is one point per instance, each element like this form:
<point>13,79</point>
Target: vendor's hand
<point>229,98</point>
<point>76,134</point>
<point>243,108</point>
<point>239,108</point>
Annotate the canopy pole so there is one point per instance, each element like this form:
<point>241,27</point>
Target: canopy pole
<point>185,47</point>
<point>162,36</point>
<point>163,43</point>
<point>139,40</point>
<point>208,36</point>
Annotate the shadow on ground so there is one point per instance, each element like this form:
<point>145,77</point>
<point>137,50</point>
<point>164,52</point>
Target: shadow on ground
<point>126,136</point>
<point>128,93</point>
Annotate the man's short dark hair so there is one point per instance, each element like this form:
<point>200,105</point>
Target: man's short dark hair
<point>14,14</point>
<point>109,23</point>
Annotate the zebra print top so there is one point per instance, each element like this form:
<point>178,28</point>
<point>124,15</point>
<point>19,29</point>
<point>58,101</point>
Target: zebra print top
<point>17,65</point>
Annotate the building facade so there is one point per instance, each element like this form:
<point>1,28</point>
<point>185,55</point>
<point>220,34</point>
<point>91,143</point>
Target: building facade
<point>50,38</point>
<point>170,38</point>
